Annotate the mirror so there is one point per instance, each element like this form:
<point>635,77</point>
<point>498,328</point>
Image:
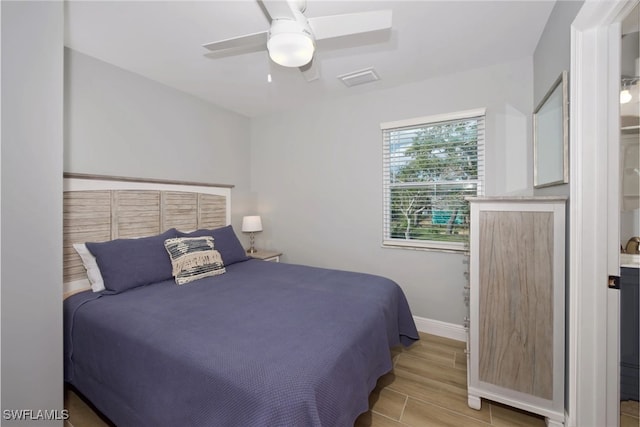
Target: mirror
<point>551,136</point>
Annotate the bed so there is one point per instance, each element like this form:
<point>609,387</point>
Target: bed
<point>255,343</point>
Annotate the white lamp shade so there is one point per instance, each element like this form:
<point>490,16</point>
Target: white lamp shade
<point>251,223</point>
<point>290,49</point>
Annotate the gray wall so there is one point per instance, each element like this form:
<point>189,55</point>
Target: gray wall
<point>551,57</point>
<point>318,175</point>
<point>31,212</point>
<point>630,49</point>
<point>553,53</point>
<point>119,123</point>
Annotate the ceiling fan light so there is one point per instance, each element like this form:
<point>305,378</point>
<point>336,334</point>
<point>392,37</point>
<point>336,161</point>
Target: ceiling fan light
<point>290,49</point>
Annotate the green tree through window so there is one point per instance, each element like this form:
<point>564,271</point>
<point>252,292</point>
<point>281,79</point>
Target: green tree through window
<point>429,169</point>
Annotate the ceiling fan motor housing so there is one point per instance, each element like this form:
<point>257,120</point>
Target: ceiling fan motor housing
<point>291,42</point>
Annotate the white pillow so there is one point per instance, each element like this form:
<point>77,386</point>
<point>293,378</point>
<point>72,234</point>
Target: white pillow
<point>90,264</point>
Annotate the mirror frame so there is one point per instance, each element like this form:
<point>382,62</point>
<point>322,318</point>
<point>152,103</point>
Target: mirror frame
<point>551,136</point>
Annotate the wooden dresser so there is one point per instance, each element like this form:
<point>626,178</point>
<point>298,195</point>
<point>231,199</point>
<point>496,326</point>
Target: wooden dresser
<point>517,303</point>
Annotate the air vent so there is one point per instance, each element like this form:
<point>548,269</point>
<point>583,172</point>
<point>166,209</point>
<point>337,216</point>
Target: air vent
<point>359,77</point>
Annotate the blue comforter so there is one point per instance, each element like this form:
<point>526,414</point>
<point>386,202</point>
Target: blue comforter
<point>265,344</point>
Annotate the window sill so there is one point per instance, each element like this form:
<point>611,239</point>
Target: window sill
<point>456,248</point>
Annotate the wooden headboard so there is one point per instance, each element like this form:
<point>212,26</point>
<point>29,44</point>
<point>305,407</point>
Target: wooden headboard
<point>99,208</point>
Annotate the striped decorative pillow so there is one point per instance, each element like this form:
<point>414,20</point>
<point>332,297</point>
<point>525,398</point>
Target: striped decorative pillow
<point>193,258</point>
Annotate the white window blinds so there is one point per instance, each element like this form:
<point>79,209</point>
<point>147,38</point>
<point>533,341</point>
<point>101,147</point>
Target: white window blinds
<point>429,166</point>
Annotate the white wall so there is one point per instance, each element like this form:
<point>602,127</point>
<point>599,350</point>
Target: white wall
<point>31,212</point>
<point>318,175</point>
<point>629,225</point>
<point>120,123</point>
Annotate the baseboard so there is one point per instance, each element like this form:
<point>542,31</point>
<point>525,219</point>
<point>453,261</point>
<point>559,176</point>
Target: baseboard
<point>441,329</point>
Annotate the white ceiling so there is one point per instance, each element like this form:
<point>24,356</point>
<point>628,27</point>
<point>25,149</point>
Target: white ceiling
<point>163,41</point>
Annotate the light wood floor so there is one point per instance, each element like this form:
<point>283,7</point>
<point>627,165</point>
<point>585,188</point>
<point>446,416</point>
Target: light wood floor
<point>629,414</point>
<point>427,387</point>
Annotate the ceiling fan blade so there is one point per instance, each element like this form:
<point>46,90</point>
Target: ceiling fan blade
<point>278,9</point>
<point>325,27</point>
<point>311,71</point>
<point>238,43</point>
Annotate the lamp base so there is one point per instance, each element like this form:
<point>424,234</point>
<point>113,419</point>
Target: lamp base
<point>252,240</point>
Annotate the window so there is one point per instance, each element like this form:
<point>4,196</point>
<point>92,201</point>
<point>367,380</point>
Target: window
<point>430,165</point>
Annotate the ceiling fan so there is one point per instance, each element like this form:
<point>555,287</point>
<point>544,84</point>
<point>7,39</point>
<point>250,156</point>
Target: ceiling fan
<point>291,39</point>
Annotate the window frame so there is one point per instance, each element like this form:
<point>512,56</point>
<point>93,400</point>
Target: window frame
<point>387,240</point>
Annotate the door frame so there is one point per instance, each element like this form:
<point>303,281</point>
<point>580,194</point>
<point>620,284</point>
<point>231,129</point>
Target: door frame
<point>594,214</point>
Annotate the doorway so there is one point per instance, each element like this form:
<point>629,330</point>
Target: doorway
<point>594,243</point>
<point>629,218</point>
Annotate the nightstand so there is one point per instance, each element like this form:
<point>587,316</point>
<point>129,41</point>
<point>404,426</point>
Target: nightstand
<point>266,255</point>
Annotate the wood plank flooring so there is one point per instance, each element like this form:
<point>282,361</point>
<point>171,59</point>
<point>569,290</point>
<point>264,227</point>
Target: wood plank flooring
<point>629,414</point>
<point>427,387</point>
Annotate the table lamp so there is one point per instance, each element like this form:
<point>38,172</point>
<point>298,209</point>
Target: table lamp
<point>251,224</point>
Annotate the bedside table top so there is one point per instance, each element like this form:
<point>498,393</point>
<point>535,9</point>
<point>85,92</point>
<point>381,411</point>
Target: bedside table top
<point>263,254</point>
